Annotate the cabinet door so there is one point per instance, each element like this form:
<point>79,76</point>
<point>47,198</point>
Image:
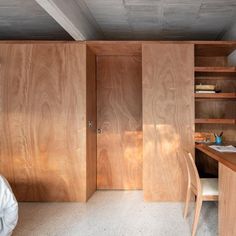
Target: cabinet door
<point>168,118</point>
<point>42,120</point>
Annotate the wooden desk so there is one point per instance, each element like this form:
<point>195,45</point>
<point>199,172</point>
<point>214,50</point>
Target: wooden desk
<point>227,159</point>
<point>227,189</point>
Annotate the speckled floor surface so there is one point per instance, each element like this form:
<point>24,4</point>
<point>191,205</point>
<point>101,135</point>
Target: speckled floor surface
<point>108,213</point>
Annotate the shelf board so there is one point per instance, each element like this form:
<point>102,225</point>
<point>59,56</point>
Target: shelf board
<point>215,76</point>
<point>231,69</point>
<point>215,121</point>
<point>215,95</point>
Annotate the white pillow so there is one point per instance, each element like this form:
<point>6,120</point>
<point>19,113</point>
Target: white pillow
<point>8,208</point>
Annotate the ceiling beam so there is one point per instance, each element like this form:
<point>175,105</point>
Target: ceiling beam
<point>72,18</point>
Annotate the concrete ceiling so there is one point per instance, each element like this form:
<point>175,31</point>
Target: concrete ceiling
<point>117,19</point>
<point>25,19</point>
<point>163,19</point>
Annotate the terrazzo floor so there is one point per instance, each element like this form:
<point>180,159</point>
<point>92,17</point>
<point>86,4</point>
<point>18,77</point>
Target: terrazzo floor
<point>108,213</point>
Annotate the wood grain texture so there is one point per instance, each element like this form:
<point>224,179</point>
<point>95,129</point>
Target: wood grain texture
<point>168,118</point>
<point>227,203</point>
<point>42,120</point>
<point>118,48</point>
<point>119,114</point>
<point>91,105</point>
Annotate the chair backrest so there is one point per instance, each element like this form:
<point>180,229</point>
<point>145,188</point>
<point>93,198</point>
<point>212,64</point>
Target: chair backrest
<point>193,176</point>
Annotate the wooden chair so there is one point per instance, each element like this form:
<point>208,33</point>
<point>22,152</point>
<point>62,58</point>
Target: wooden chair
<point>203,189</point>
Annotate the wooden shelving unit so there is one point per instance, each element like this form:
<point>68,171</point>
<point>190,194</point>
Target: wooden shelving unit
<point>212,66</point>
<point>215,95</point>
<point>215,121</point>
<point>215,112</point>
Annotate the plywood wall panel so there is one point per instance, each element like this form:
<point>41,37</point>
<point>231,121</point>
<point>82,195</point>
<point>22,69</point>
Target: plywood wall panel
<point>168,118</point>
<point>43,121</point>
<point>119,114</point>
<point>14,81</point>
<point>227,203</point>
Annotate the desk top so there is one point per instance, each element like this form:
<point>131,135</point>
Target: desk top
<point>227,159</point>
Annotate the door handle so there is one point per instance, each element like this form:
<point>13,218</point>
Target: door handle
<point>99,131</point>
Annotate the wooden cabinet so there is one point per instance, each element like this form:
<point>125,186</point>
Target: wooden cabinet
<point>43,120</point>
<point>168,118</point>
<point>49,108</point>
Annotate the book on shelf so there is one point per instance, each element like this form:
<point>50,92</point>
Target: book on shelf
<point>205,87</point>
<point>205,91</point>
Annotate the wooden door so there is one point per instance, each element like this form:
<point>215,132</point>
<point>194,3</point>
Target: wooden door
<point>168,118</point>
<point>119,116</point>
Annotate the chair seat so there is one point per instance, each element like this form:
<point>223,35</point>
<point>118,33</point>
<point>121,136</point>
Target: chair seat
<point>209,187</point>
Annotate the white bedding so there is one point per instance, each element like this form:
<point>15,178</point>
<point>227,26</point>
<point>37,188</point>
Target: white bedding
<point>8,208</point>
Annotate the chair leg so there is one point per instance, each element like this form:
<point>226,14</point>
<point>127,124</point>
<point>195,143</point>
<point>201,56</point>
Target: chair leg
<point>187,202</point>
<point>197,214</point>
